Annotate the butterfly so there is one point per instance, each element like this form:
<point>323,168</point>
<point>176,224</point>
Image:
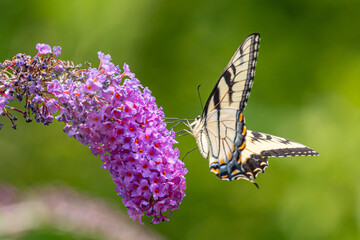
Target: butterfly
<point>235,152</point>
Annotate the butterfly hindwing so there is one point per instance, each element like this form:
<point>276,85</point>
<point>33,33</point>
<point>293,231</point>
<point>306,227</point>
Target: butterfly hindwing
<point>226,142</point>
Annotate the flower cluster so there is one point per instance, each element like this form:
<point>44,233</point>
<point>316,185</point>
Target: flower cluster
<point>110,112</point>
<point>26,77</point>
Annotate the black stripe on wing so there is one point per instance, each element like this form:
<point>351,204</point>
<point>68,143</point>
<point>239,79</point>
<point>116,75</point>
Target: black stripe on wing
<point>274,146</point>
<point>253,53</point>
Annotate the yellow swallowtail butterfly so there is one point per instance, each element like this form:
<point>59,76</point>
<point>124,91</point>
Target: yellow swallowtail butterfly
<point>235,152</point>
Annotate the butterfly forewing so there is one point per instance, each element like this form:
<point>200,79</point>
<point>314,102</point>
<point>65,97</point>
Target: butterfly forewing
<point>268,145</point>
<point>260,146</point>
<point>234,85</point>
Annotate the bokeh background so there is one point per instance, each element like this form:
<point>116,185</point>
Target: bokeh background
<point>306,88</point>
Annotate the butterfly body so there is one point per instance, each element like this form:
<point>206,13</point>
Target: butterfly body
<point>220,132</point>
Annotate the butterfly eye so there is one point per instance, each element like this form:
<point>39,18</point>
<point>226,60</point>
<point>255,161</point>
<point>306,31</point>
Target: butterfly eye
<point>198,117</point>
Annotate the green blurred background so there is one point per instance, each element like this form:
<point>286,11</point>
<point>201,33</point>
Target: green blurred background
<point>306,89</point>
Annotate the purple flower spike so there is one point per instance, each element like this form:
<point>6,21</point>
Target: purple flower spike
<point>110,112</point>
<point>148,174</point>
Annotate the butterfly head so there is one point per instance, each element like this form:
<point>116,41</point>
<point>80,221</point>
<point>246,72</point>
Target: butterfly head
<point>197,119</point>
<point>196,124</point>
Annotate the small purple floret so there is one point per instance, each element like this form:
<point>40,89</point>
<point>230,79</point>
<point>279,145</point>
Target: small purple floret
<point>43,48</point>
<point>57,50</point>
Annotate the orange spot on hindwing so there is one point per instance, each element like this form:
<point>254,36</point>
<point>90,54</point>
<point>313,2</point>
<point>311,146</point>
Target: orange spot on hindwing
<point>243,130</point>
<point>222,161</point>
<point>241,117</point>
<point>214,167</point>
<point>215,170</point>
<point>242,146</point>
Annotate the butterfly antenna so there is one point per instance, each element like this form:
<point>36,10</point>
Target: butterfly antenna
<point>256,185</point>
<point>198,88</point>
<point>188,153</point>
